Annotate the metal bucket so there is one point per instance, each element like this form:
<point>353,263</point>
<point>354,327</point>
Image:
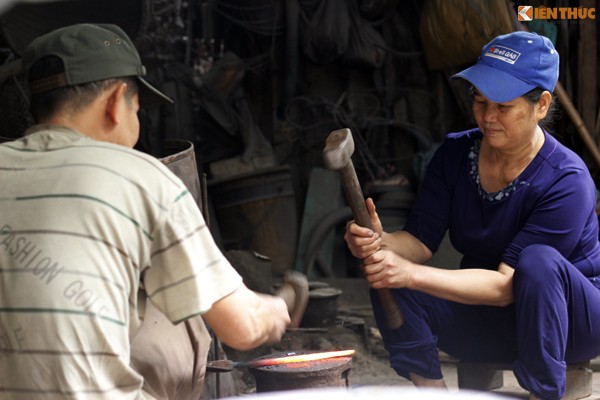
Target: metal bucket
<point>181,160</point>
<point>322,308</point>
<point>258,212</point>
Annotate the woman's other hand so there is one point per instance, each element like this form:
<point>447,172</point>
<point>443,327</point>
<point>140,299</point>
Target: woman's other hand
<point>386,269</point>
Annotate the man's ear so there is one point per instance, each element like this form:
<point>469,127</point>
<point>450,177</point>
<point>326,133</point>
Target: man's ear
<point>115,101</point>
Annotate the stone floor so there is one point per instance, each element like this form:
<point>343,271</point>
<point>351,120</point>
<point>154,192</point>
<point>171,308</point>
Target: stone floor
<point>512,389</point>
<point>354,296</point>
<point>355,329</point>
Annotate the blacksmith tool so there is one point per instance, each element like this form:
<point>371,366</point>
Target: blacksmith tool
<point>294,291</point>
<point>337,155</point>
<point>229,365</point>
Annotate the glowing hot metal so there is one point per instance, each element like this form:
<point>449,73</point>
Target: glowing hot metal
<point>300,358</point>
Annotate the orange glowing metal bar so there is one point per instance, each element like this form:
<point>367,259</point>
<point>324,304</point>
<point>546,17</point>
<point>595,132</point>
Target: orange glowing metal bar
<point>302,358</point>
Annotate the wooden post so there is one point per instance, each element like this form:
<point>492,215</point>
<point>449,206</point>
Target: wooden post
<point>587,99</point>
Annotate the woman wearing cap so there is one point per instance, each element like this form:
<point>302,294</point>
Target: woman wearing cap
<point>520,207</point>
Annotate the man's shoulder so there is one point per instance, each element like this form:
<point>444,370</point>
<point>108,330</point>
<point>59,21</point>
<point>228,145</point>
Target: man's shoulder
<point>137,166</point>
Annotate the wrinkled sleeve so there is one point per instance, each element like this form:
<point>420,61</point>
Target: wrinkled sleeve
<point>188,272</point>
<point>428,219</point>
<point>559,218</point>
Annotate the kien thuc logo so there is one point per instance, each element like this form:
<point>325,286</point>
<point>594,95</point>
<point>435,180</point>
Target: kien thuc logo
<point>525,13</point>
<point>529,13</point>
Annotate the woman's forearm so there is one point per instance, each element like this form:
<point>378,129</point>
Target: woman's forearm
<point>467,286</point>
<point>407,246</point>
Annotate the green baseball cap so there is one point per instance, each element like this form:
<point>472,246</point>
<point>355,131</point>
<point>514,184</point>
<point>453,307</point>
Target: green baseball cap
<point>90,52</point>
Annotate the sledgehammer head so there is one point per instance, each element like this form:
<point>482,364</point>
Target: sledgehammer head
<point>338,150</point>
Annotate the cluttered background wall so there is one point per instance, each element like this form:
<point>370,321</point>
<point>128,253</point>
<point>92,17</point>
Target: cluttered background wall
<point>259,85</point>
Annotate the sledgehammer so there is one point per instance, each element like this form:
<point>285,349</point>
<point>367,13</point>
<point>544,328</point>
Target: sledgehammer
<point>337,154</point>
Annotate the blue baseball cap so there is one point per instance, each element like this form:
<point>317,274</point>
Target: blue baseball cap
<point>513,64</point>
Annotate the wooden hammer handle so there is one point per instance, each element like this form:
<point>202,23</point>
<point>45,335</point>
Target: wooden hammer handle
<point>356,200</point>
<point>294,291</point>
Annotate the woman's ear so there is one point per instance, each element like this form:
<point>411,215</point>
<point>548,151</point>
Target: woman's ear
<point>543,104</point>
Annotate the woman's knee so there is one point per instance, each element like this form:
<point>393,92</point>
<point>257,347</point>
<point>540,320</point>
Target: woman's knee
<point>537,262</point>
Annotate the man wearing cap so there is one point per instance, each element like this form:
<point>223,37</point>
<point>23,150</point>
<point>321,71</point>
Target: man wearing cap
<point>521,208</point>
<point>86,221</point>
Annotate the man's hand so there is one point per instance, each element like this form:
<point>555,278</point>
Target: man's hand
<point>277,308</point>
<point>246,319</point>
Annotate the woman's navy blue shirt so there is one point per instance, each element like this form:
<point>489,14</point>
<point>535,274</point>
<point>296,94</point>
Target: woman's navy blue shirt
<point>552,202</point>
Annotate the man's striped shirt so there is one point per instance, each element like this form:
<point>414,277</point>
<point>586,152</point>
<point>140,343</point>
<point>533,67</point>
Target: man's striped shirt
<point>82,223</point>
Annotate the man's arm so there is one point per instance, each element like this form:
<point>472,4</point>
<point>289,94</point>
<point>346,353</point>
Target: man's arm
<point>245,319</point>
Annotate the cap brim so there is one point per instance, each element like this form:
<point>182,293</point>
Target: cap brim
<point>493,83</point>
<point>149,96</point>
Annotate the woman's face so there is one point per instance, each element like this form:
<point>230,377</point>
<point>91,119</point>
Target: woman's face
<point>510,124</point>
